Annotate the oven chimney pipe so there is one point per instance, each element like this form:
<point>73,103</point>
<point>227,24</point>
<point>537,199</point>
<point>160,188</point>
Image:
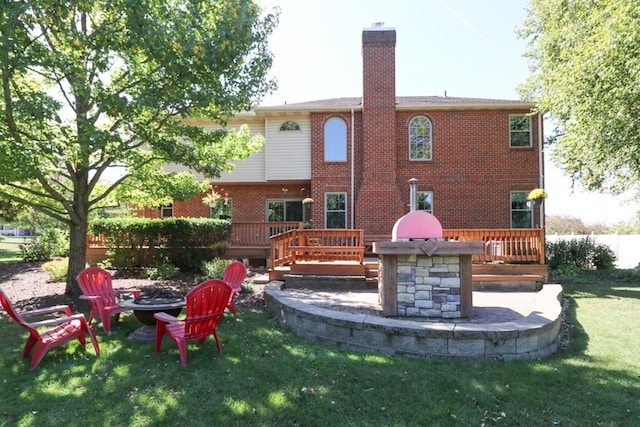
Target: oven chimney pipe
<point>413,195</point>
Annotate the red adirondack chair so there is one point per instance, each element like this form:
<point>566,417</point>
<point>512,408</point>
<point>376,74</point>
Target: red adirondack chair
<point>234,274</point>
<point>69,327</point>
<point>205,307</point>
<point>97,287</point>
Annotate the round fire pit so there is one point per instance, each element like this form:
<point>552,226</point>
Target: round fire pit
<point>145,306</point>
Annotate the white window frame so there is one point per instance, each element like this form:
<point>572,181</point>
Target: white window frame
<point>513,131</point>
<point>335,140</point>
<point>526,207</point>
<point>416,140</point>
<point>327,211</point>
<point>166,211</point>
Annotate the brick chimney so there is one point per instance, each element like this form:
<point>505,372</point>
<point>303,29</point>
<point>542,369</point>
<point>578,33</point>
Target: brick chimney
<point>378,187</point>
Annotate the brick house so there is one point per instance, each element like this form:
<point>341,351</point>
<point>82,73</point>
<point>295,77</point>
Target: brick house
<point>475,160</point>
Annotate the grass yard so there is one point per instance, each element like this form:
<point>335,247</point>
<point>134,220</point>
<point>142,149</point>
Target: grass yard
<point>267,377</point>
<point>9,248</point>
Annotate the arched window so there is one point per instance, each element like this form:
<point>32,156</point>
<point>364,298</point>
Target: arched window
<point>420,138</point>
<point>335,140</point>
<point>290,125</point>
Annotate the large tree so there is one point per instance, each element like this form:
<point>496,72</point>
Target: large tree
<point>585,60</point>
<point>92,86</point>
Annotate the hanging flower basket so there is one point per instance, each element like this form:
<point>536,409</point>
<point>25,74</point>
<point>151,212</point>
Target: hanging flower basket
<point>537,195</point>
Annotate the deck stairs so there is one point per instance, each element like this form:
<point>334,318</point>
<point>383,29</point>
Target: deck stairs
<point>486,276</point>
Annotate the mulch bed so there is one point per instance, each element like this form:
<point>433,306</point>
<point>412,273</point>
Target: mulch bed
<point>27,285</point>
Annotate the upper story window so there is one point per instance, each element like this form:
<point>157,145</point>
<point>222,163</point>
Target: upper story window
<point>335,140</point>
<point>424,201</point>
<point>520,130</point>
<point>420,138</point>
<point>290,125</point>
<point>521,213</point>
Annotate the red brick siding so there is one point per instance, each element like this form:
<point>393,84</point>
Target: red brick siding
<point>249,200</point>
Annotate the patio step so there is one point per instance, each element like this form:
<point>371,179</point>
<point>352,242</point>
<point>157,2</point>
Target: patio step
<point>507,282</point>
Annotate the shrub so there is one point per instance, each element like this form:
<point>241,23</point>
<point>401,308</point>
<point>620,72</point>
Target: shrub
<point>57,269</point>
<point>603,258</point>
<point>51,243</point>
<point>137,242</point>
<point>161,271</point>
<point>581,253</point>
<point>213,269</point>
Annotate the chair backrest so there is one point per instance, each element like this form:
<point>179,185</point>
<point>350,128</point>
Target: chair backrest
<point>95,281</point>
<point>8,307</point>
<point>205,306</point>
<point>234,274</point>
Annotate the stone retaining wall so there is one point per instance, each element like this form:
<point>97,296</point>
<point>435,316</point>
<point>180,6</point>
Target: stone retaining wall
<point>532,337</point>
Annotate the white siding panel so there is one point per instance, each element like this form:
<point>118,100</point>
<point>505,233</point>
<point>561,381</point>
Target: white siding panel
<point>251,169</point>
<point>288,152</point>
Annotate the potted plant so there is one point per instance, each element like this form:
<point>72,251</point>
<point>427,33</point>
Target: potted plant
<point>220,247</point>
<point>537,195</point>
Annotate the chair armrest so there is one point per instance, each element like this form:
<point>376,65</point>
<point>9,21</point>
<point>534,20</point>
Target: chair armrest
<point>59,320</point>
<point>90,297</point>
<point>47,310</point>
<point>166,318</point>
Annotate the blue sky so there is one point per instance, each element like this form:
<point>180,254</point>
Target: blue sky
<point>465,48</point>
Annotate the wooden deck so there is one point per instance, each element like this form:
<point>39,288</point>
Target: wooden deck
<point>510,254</point>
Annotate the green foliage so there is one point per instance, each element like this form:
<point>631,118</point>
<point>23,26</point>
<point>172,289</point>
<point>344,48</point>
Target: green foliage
<point>585,73</point>
<point>183,242</point>
<point>566,271</point>
<point>10,249</point>
<point>247,288</point>
<point>93,86</point>
<point>579,253</point>
<point>57,269</point>
<point>161,271</point>
<point>628,227</point>
<point>53,242</point>
<point>213,269</point>
<point>268,377</point>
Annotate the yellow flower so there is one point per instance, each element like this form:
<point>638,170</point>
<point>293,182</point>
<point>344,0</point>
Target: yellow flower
<point>537,193</point>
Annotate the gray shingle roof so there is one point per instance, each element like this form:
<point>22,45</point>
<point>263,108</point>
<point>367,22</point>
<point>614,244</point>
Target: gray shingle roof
<point>402,102</point>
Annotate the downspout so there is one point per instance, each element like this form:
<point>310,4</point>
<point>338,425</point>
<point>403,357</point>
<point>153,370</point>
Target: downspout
<point>540,166</point>
<point>352,170</point>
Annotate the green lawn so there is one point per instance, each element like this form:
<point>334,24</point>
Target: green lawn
<point>9,248</point>
<point>266,377</point>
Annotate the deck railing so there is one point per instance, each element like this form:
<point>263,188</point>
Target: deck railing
<point>317,245</point>
<point>248,234</point>
<point>257,233</point>
<point>508,245</point>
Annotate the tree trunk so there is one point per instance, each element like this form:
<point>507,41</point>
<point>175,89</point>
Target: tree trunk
<point>78,234</point>
<point>77,256</point>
